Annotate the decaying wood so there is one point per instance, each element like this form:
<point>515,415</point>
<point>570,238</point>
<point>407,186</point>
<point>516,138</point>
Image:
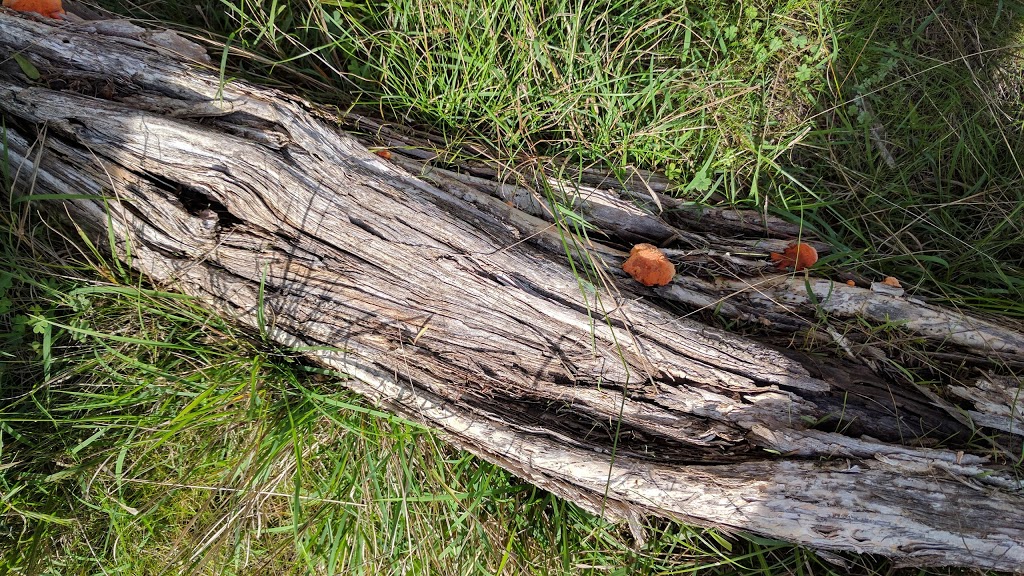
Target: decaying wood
<point>720,260</point>
<point>448,299</point>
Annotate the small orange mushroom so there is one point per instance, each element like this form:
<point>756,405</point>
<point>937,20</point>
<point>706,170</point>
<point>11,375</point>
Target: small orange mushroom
<point>385,154</point>
<point>891,281</point>
<point>649,266</point>
<point>851,283</point>
<point>797,256</point>
<point>48,8</point>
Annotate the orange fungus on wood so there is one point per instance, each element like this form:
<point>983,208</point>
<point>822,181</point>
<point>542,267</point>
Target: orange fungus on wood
<point>796,256</point>
<point>48,8</point>
<point>649,266</point>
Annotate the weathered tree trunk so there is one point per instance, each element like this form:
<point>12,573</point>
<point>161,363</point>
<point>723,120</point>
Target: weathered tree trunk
<point>449,299</point>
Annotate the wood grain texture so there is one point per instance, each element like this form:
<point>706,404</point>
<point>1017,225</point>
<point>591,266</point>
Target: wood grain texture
<point>451,305</point>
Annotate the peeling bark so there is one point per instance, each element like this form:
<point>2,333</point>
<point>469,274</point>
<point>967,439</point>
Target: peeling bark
<point>449,299</point>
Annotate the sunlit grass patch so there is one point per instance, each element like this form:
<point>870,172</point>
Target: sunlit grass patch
<point>703,91</point>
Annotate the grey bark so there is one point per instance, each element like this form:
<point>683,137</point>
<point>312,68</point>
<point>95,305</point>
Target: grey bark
<point>449,299</point>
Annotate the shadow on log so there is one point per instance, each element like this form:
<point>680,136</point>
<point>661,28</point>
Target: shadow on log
<point>448,298</point>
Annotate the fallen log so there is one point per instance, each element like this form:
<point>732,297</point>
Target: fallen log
<point>451,300</point>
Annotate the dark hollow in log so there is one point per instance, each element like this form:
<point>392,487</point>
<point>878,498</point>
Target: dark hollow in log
<point>451,304</point>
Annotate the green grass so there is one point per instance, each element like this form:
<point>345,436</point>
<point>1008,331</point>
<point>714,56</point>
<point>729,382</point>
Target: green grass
<point>140,434</point>
<point>946,215</point>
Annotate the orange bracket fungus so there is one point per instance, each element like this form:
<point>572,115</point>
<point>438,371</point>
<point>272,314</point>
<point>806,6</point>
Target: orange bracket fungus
<point>797,256</point>
<point>891,281</point>
<point>48,8</point>
<point>649,266</point>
